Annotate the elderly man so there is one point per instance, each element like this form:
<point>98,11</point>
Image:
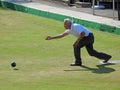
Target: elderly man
<point>84,38</point>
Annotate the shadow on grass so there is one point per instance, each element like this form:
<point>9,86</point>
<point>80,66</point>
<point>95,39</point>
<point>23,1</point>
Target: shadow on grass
<point>101,69</point>
<point>15,69</point>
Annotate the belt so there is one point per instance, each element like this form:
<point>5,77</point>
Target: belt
<point>90,34</point>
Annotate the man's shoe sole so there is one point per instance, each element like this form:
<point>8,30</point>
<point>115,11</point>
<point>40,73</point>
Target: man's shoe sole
<point>105,61</point>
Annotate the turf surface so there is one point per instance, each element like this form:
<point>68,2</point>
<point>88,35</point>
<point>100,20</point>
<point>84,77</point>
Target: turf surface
<point>44,65</point>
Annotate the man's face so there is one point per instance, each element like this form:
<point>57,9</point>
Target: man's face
<point>67,25</point>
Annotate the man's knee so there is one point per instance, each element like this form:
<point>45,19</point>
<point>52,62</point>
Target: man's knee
<point>91,53</point>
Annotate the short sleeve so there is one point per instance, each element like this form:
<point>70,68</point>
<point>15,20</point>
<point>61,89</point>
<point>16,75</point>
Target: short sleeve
<point>67,31</point>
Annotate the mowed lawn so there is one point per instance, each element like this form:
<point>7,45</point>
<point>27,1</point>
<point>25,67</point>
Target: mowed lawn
<point>44,65</point>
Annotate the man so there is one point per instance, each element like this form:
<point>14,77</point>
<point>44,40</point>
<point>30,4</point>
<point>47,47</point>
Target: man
<point>84,38</point>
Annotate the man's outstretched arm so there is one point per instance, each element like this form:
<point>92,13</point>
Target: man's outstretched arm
<point>56,37</point>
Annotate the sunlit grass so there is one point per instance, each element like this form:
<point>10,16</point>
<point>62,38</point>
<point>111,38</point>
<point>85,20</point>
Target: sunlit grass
<point>44,65</point>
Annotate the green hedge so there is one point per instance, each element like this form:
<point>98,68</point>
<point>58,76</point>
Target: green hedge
<point>117,31</point>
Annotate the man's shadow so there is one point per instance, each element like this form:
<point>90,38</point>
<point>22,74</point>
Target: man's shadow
<point>101,69</point>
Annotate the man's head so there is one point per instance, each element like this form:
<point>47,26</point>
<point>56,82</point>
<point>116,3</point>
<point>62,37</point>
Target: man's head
<point>67,23</point>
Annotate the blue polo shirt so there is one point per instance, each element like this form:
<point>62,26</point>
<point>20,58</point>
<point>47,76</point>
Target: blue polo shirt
<point>77,29</point>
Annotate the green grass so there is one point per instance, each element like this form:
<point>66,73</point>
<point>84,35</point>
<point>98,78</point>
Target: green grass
<point>44,65</point>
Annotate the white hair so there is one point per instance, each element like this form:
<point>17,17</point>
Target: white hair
<point>67,20</point>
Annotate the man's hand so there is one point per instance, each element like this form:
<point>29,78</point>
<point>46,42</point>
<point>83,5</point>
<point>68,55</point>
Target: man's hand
<point>82,35</point>
<point>48,38</point>
<point>76,44</point>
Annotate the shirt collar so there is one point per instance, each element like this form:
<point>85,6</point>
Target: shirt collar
<point>71,26</point>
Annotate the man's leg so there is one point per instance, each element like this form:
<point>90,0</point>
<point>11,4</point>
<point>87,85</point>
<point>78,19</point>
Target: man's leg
<point>77,55</point>
<point>95,53</point>
<point>92,52</point>
<point>77,51</point>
